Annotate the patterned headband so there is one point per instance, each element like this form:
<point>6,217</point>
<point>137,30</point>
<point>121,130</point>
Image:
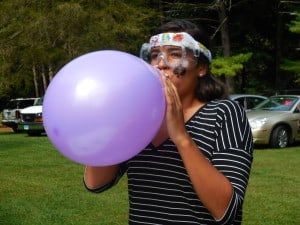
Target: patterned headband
<point>181,39</point>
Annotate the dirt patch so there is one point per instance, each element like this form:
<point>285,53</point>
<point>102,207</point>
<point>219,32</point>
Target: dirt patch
<point>5,129</point>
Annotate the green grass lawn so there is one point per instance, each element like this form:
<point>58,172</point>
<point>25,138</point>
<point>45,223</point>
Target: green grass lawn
<point>38,186</point>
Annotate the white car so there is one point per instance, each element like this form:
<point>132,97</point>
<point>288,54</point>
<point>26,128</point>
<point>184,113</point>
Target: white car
<point>32,119</point>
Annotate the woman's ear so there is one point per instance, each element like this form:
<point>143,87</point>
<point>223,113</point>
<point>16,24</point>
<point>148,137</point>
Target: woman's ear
<point>202,70</point>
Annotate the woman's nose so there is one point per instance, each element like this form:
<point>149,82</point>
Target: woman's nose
<point>161,62</point>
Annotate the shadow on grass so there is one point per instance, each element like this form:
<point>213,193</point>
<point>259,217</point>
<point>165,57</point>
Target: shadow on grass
<point>8,131</point>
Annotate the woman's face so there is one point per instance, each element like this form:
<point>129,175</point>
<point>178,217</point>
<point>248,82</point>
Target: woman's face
<point>179,64</point>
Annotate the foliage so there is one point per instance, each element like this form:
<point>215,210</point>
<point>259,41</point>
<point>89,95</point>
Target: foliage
<point>38,37</point>
<point>294,26</point>
<point>41,36</point>
<point>230,66</point>
<point>293,65</point>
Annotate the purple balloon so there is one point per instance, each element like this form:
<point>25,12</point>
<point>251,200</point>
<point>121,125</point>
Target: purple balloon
<point>103,107</point>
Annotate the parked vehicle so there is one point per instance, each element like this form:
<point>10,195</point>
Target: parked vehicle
<point>11,111</point>
<point>276,121</point>
<point>248,101</point>
<point>32,119</point>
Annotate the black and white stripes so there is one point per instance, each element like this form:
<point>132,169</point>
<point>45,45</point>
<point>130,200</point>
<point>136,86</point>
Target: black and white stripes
<point>160,191</point>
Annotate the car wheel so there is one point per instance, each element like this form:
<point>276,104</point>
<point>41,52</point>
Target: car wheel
<point>280,137</point>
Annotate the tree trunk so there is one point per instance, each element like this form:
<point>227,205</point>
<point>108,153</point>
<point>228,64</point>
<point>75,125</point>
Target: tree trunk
<point>278,49</point>
<point>35,80</point>
<point>50,72</point>
<point>225,38</point>
<point>44,79</point>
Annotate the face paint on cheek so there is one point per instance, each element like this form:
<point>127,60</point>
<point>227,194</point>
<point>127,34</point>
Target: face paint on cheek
<point>180,69</point>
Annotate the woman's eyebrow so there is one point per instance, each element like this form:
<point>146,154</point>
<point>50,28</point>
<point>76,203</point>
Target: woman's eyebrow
<point>173,48</point>
<point>155,50</point>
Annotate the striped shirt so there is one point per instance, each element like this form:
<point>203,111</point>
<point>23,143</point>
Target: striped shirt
<point>160,191</point>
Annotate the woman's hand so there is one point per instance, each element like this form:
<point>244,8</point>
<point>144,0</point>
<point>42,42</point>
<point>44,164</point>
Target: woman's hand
<point>174,113</point>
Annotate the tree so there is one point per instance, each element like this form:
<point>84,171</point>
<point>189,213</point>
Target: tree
<point>38,37</point>
<point>230,66</point>
<point>293,65</point>
<point>214,15</point>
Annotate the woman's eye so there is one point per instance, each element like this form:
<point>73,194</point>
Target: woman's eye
<point>153,56</point>
<point>176,55</point>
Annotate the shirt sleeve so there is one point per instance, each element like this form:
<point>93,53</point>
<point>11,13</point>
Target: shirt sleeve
<point>113,182</point>
<point>234,154</point>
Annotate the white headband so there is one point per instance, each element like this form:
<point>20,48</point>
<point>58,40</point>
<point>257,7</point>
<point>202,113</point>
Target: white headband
<point>180,39</point>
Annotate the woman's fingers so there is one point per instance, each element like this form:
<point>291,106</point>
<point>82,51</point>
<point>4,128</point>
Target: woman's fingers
<point>172,97</point>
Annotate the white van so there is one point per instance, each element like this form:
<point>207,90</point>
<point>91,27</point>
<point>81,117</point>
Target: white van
<point>32,119</point>
<point>11,111</point>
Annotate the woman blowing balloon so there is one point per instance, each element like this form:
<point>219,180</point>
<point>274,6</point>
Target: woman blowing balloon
<point>196,169</point>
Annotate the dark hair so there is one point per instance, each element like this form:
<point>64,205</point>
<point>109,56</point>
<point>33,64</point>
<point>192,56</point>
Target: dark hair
<point>208,87</point>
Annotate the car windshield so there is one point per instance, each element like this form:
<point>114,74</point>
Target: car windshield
<point>19,104</point>
<point>39,101</point>
<point>278,103</point>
